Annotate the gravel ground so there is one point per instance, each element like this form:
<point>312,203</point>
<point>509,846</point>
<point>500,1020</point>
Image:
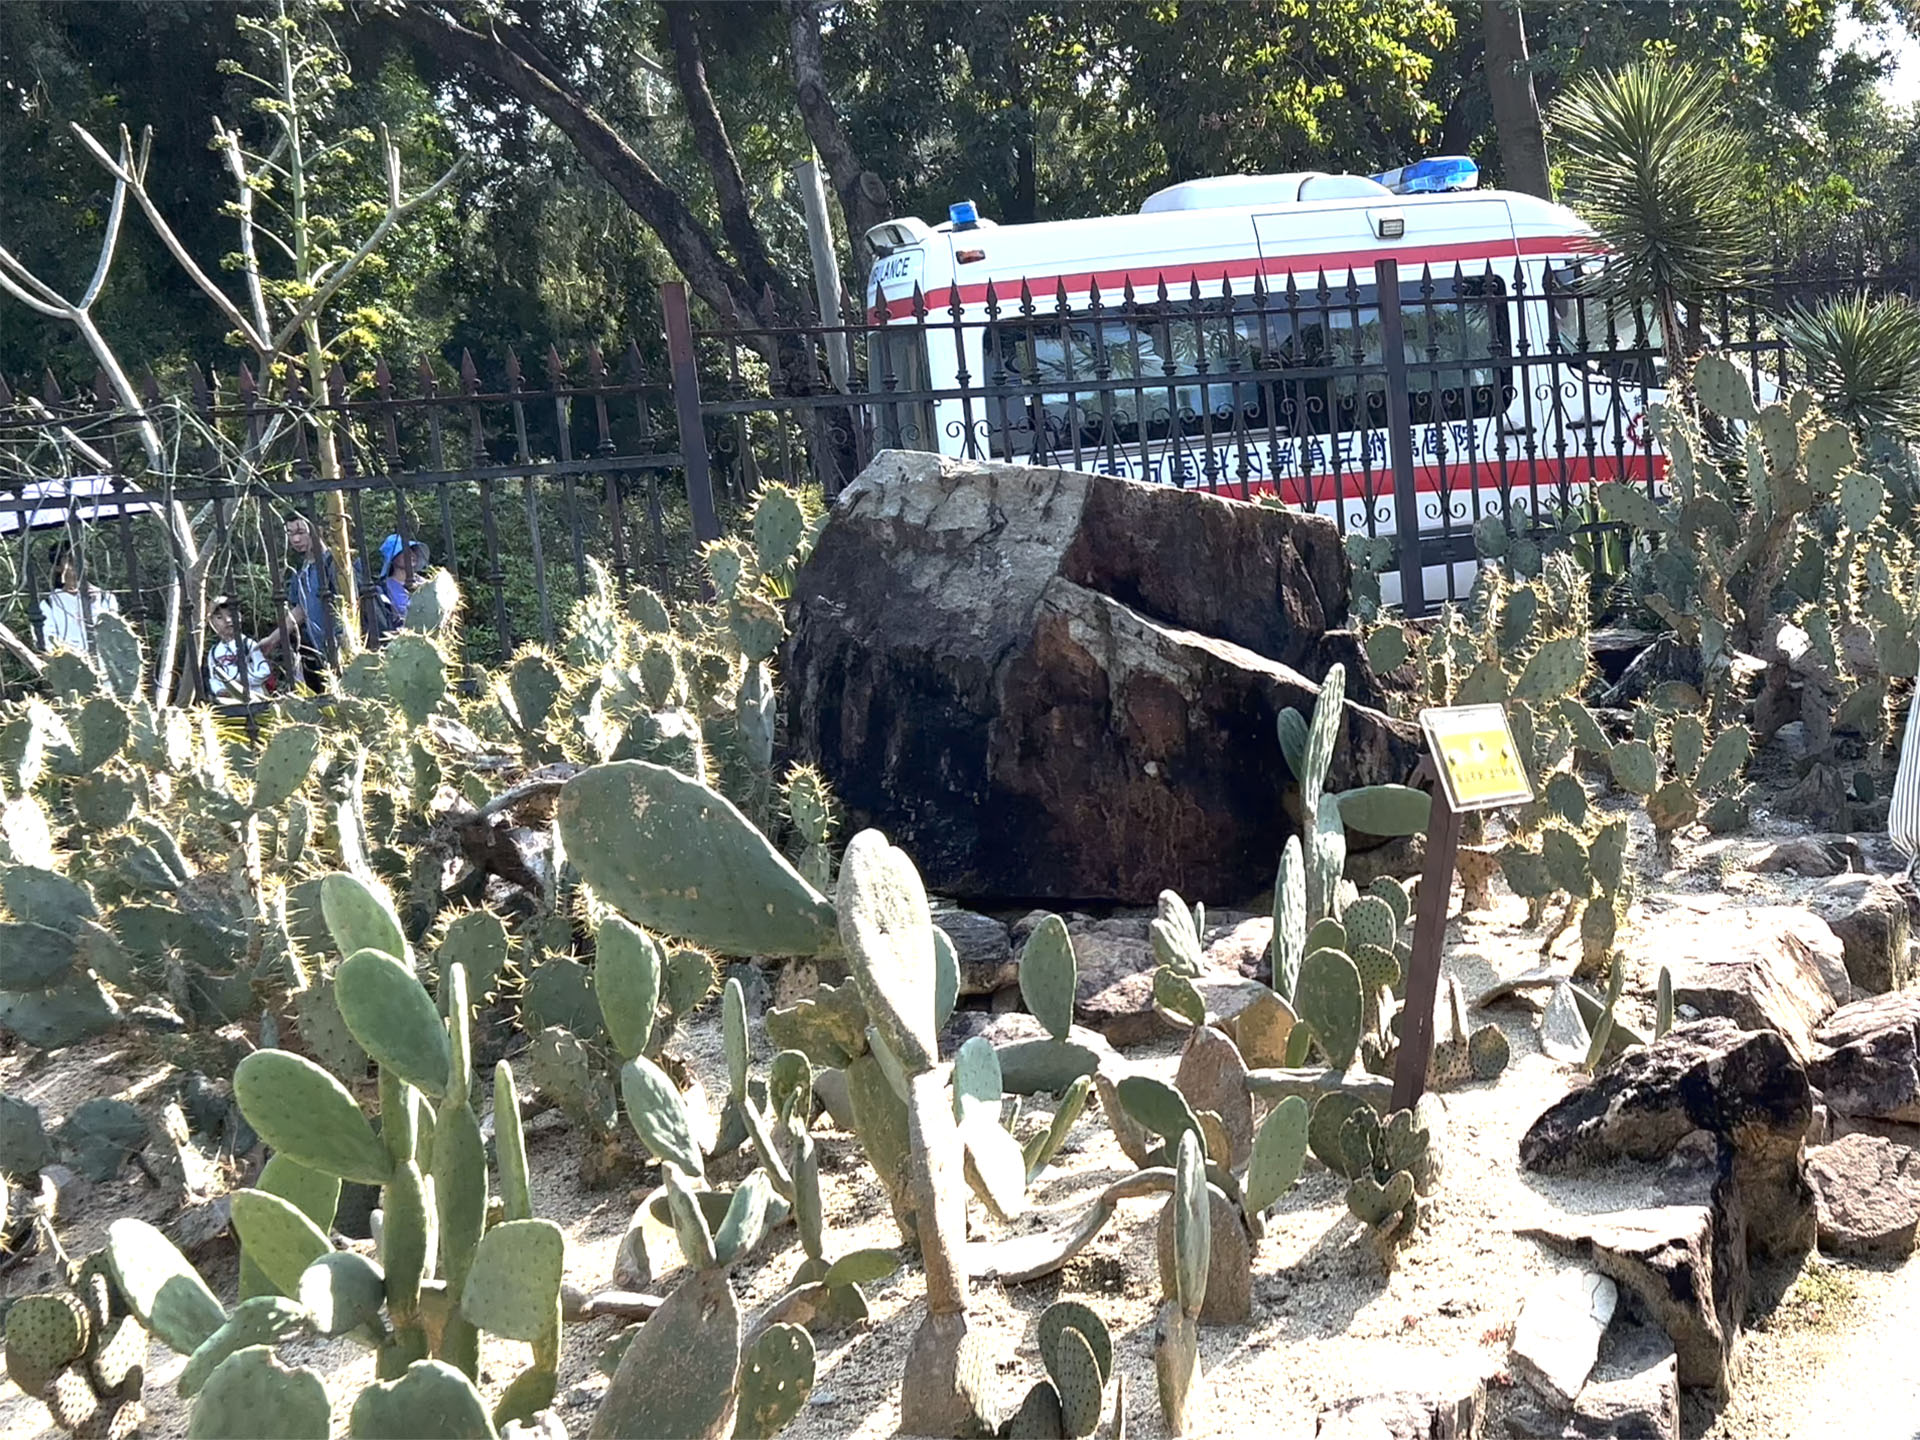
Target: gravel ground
<point>1329,1320</point>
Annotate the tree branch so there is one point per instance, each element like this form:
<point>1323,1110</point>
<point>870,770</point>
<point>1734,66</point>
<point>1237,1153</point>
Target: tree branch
<point>863,195</point>
<point>716,149</point>
<point>714,278</point>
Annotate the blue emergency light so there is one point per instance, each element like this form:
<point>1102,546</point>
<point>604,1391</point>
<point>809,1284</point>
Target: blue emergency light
<point>1432,176</point>
<point>964,214</point>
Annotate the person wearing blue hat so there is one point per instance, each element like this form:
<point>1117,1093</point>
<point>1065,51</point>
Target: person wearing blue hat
<point>402,563</point>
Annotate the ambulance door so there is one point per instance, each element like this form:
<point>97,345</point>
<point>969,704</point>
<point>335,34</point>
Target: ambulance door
<point>899,367</point>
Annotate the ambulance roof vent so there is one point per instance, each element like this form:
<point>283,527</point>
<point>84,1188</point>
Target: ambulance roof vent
<point>1223,192</point>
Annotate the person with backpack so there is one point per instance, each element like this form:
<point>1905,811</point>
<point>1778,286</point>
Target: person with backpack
<point>402,563</point>
<point>309,634</point>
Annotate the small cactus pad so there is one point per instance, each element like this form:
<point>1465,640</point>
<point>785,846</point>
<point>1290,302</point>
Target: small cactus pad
<point>1048,974</point>
<point>44,1332</point>
<point>394,1018</point>
<point>1488,1052</point>
<point>303,1112</point>
<point>887,930</point>
<point>678,858</point>
<point>1063,1315</point>
<point>1330,1115</point>
<point>1370,921</point>
<point>513,1288</point>
<point>1159,1107</point>
<point>1192,1226</point>
<point>1080,1382</point>
<point>1038,1417</point>
<point>160,1287</point>
<point>659,1115</point>
<point>416,675</point>
<point>279,1238</point>
<point>119,1357</point>
<point>1374,1203</point>
<point>360,917</point>
<point>1279,1150</point>
<point>1289,918</point>
<point>1634,768</point>
<point>284,765</point>
<point>774,1382</point>
<point>432,1401</point>
<point>1175,994</point>
<point>263,1320</point>
<point>251,1394</point>
<point>626,982</point>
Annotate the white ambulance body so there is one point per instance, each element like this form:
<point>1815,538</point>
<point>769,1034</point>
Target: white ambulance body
<point>1490,419</point>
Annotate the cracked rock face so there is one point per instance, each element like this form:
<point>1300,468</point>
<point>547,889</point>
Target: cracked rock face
<point>1052,685</point>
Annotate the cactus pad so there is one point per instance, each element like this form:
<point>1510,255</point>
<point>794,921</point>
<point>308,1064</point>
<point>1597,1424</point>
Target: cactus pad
<point>263,1320</point>
<point>1375,1203</point>
<point>1326,1126</point>
<point>626,982</point>
<point>478,941</point>
<point>1289,918</point>
<point>887,930</point>
<point>679,859</point>
<point>1079,1381</point>
<point>252,1394</point>
<point>1386,810</point>
<point>1724,758</point>
<point>118,1363</point>
<point>513,1288</point>
<point>1279,1150</point>
<point>678,1375</point>
<point>306,1114</point>
<point>1192,1226</point>
<point>360,916</point>
<point>1048,974</point>
<point>1328,998</point>
<point>1038,1417</point>
<point>775,1381</point>
<point>1488,1052</point>
<point>160,1287</point>
<point>1159,1107</point>
<point>284,765</point>
<point>394,1019</point>
<point>1723,389</point>
<point>659,1115</point>
<point>432,1401</point>
<point>277,1237</point>
<point>44,1333</point>
<point>1370,921</point>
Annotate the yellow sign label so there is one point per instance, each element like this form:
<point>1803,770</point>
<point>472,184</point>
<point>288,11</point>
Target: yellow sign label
<point>1475,753</point>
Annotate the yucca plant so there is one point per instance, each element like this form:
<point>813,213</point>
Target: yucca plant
<point>1652,162</point>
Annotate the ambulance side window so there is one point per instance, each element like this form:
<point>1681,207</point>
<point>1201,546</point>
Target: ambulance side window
<point>896,363</point>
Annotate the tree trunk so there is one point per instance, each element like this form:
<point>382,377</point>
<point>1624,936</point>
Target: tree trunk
<point>1516,109</point>
<point>863,195</point>
<point>710,138</point>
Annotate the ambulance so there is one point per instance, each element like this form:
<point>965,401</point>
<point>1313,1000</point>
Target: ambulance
<point>1229,336</point>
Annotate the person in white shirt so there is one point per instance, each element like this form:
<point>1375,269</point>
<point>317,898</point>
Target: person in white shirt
<point>65,617</point>
<point>237,669</point>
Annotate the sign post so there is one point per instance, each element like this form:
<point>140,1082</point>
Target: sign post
<point>1477,763</point>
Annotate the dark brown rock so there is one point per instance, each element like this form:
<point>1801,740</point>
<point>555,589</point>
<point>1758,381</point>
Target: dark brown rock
<point>1764,968</point>
<point>1685,1265</point>
<point>1868,1193</point>
<point>1870,917</point>
<point>1812,855</point>
<point>1114,993</point>
<point>1213,1077</point>
<point>984,949</point>
<point>1742,1087</point>
<point>1055,684</point>
<point>1872,1066</point>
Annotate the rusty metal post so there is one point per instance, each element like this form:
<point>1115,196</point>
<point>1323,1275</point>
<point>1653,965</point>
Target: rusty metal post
<point>686,408</point>
<point>1423,969</point>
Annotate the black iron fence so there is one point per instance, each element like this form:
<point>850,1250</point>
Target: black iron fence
<point>1431,401</point>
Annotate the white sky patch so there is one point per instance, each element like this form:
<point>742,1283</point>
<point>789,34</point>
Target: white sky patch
<point>1902,85</point>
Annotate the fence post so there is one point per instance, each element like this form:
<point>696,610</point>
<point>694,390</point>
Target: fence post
<point>1406,500</point>
<point>686,409</point>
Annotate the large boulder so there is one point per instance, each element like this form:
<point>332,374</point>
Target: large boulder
<point>1051,684</point>
<point>1765,967</point>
